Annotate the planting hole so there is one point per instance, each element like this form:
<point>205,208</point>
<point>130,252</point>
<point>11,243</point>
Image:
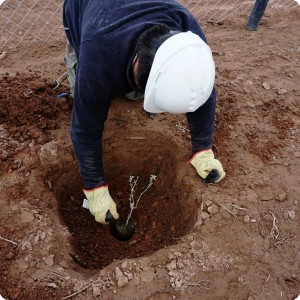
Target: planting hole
<point>162,216</point>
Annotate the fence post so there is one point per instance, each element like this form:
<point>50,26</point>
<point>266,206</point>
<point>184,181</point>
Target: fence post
<point>256,14</point>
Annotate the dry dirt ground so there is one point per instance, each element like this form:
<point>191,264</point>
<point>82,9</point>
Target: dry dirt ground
<point>238,239</point>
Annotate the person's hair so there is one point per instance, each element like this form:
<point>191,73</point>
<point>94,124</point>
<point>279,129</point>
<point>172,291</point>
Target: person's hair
<point>147,44</point>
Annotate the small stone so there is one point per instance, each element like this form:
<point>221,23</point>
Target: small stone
<point>281,91</point>
<point>49,260</point>
<point>292,214</point>
<point>281,196</point>
<point>248,82</point>
<point>171,265</point>
<point>26,216</point>
<point>204,215</point>
<point>96,291</point>
<point>122,281</point>
<point>246,219</point>
<point>297,154</point>
<point>286,215</point>
<point>213,209</point>
<point>250,298</point>
<point>266,85</point>
<point>119,273</point>
<point>208,203</point>
<point>124,265</point>
<point>253,221</point>
<point>178,282</point>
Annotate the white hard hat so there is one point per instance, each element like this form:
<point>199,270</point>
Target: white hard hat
<point>182,75</point>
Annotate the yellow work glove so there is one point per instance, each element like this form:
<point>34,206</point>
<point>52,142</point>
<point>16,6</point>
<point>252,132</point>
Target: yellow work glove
<point>100,202</point>
<point>208,168</point>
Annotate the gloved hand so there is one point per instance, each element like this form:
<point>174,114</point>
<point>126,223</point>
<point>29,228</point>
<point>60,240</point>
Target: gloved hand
<point>208,168</point>
<point>100,202</point>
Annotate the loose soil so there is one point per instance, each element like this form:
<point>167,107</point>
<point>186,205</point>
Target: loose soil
<point>238,239</point>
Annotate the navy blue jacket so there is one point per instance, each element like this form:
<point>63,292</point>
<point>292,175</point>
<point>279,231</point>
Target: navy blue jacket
<point>103,34</point>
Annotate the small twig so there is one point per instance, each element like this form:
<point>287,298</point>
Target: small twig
<point>268,278</point>
<point>198,283</point>
<point>246,230</point>
<point>9,241</point>
<point>240,208</point>
<point>274,231</point>
<point>228,210</point>
<point>81,290</point>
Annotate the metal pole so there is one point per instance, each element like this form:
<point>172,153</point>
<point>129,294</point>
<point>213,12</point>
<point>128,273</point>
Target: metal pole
<point>256,14</point>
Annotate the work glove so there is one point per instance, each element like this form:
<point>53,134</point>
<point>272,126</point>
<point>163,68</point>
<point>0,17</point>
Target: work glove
<point>100,202</point>
<point>208,168</point>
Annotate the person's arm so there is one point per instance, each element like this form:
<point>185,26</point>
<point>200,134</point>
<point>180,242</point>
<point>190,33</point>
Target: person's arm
<point>92,98</point>
<point>201,124</point>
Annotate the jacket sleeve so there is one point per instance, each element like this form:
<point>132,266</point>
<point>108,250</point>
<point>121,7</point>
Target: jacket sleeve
<point>91,104</point>
<point>201,122</point>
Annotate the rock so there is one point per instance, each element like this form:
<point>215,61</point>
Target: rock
<point>204,215</point>
<point>213,209</point>
<point>171,265</point>
<point>119,273</point>
<point>246,219</point>
<point>253,221</point>
<point>177,253</point>
<point>96,291</point>
<point>124,265</point>
<point>122,281</point>
<point>26,216</point>
<point>281,196</point>
<point>292,214</point>
<point>178,282</point>
<point>248,82</point>
<point>208,203</point>
<point>3,55</point>
<point>297,154</point>
<point>49,260</point>
<point>281,91</point>
<point>266,85</point>
<point>286,215</point>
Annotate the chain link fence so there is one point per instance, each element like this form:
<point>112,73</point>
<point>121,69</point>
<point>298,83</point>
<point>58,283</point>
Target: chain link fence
<point>28,21</point>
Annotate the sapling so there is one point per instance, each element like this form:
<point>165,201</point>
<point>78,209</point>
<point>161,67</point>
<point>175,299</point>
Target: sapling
<point>132,202</point>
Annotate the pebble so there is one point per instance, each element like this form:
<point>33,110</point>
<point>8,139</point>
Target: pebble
<point>286,215</point>
<point>213,209</point>
<point>246,219</point>
<point>119,273</point>
<point>204,215</point>
<point>96,291</point>
<point>281,196</point>
<point>297,154</point>
<point>178,282</point>
<point>124,265</point>
<point>122,281</point>
<point>208,202</point>
<point>291,214</point>
<point>266,85</point>
<point>49,260</point>
<point>281,91</point>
